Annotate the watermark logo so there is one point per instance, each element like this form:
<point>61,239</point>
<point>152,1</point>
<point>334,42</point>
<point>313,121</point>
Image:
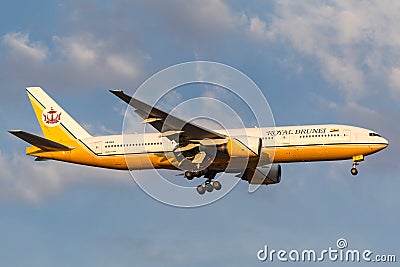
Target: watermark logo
<point>177,156</point>
<point>341,243</point>
<point>340,253</point>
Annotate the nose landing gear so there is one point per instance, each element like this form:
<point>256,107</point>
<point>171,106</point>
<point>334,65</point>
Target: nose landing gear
<point>356,161</point>
<point>354,170</point>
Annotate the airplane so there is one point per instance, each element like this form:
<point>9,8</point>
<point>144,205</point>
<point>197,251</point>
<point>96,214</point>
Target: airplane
<point>182,145</point>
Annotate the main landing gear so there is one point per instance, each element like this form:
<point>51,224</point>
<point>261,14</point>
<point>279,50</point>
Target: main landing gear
<point>356,162</point>
<point>190,175</point>
<point>209,184</point>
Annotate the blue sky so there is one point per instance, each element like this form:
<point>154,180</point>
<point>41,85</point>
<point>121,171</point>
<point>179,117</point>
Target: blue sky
<point>316,62</point>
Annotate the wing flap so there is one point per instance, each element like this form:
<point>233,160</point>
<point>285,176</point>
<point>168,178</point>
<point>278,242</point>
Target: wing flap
<point>40,142</point>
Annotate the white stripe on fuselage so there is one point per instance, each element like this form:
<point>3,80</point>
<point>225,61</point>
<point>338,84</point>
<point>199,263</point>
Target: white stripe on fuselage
<point>308,135</point>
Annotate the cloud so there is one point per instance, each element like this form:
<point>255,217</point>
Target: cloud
<point>19,44</point>
<point>122,66</point>
<point>76,61</point>
<point>394,81</point>
<point>354,44</point>
<point>37,181</point>
<point>196,18</point>
<point>258,30</point>
<point>87,52</point>
<point>30,184</point>
<point>82,49</point>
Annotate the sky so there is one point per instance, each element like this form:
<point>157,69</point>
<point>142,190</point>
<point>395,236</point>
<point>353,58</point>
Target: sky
<point>315,62</point>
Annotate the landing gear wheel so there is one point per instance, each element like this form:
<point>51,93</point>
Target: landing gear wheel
<point>354,171</point>
<point>209,187</point>
<point>200,189</point>
<point>217,185</point>
<point>189,175</point>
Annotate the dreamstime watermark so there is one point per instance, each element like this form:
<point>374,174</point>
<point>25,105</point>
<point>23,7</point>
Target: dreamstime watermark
<point>340,253</point>
<point>196,92</point>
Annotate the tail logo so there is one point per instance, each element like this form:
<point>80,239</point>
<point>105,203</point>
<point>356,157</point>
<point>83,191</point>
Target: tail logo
<point>51,117</point>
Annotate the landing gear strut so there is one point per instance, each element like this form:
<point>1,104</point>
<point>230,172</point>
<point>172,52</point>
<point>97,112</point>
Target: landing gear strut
<point>356,161</point>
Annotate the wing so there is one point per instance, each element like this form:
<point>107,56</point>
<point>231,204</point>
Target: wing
<point>168,125</point>
<point>190,137</point>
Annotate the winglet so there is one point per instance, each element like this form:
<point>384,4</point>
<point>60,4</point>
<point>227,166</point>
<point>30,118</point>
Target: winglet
<point>119,93</point>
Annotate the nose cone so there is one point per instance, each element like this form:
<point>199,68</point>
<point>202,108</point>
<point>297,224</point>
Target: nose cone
<point>382,144</point>
<point>385,142</point>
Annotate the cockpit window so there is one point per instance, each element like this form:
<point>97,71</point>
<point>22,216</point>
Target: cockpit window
<point>374,134</point>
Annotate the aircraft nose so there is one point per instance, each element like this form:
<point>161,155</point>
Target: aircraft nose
<point>385,142</point>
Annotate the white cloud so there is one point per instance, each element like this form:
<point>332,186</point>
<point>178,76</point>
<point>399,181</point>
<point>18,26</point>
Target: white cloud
<point>20,44</point>
<point>353,43</point>
<point>200,17</point>
<point>342,72</point>
<point>80,49</point>
<point>30,183</point>
<point>258,30</point>
<point>394,81</point>
<point>350,26</point>
<point>76,61</point>
<point>24,180</point>
<point>122,66</point>
<point>87,52</point>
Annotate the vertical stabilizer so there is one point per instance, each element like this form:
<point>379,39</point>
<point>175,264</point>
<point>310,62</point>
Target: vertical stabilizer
<point>56,124</point>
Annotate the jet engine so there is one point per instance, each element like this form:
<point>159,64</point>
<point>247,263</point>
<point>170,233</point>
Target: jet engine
<point>242,147</point>
<point>269,174</point>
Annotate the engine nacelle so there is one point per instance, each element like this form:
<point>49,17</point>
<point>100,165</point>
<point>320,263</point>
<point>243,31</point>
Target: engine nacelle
<point>270,174</point>
<point>242,147</point>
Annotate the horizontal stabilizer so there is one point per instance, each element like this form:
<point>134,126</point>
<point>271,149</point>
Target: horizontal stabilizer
<point>40,142</point>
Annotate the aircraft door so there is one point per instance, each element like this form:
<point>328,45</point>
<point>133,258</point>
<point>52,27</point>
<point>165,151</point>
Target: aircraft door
<point>347,135</point>
<point>286,139</point>
<point>97,147</point>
